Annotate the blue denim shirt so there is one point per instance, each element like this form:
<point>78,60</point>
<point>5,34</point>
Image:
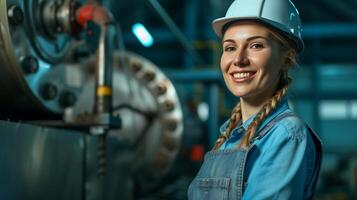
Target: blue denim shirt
<point>282,164</point>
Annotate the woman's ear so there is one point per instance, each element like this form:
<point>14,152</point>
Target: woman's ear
<point>287,63</point>
<point>289,59</point>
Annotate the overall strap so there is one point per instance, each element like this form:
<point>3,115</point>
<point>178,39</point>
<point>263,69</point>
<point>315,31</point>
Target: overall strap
<point>271,124</point>
<point>318,160</point>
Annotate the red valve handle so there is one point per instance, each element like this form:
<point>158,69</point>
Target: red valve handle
<point>94,13</point>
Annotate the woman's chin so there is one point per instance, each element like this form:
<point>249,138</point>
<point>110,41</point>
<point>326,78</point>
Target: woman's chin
<point>239,93</point>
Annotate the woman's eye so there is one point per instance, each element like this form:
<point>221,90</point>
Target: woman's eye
<point>256,46</point>
<point>229,48</point>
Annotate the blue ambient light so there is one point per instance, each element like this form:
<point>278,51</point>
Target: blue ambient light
<point>143,35</point>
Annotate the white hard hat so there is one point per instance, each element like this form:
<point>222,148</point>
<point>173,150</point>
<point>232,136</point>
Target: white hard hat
<point>281,14</point>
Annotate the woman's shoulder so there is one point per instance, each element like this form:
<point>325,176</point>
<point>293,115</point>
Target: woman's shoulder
<point>292,127</point>
<point>292,120</point>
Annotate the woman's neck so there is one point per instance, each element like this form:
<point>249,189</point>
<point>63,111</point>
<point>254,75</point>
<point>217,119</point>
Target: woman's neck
<point>249,108</point>
<point>252,105</point>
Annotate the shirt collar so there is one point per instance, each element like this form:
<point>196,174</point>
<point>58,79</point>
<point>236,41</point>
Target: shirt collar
<point>281,107</point>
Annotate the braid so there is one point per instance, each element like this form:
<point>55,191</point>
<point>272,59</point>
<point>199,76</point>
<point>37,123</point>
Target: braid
<point>236,117</point>
<point>262,114</point>
<point>233,121</point>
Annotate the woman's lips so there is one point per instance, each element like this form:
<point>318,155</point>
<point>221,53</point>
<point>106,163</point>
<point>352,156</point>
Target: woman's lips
<point>240,77</point>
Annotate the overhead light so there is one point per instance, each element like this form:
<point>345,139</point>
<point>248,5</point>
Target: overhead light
<point>143,35</point>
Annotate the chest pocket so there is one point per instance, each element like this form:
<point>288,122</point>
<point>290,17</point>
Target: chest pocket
<point>212,188</point>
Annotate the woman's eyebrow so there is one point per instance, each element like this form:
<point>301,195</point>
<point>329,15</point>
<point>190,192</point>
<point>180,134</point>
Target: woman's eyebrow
<point>248,39</point>
<point>256,37</point>
<point>228,40</point>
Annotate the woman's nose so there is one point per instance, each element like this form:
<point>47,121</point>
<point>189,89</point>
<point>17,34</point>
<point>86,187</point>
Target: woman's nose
<point>241,59</point>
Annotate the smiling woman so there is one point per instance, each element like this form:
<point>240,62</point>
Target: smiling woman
<point>265,151</point>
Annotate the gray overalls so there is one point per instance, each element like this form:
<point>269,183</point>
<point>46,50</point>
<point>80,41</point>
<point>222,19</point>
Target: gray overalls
<point>222,177</point>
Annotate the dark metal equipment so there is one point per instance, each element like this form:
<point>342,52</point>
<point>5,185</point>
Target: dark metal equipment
<point>47,163</point>
<point>104,121</point>
<point>33,42</point>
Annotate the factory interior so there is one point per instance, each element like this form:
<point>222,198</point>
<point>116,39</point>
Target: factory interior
<point>126,105</point>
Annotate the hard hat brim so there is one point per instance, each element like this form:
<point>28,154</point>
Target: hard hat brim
<point>219,24</point>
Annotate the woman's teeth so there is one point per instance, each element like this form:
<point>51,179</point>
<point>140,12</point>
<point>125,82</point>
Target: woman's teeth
<point>241,75</point>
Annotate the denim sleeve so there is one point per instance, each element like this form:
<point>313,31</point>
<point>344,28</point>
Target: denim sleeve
<point>279,171</point>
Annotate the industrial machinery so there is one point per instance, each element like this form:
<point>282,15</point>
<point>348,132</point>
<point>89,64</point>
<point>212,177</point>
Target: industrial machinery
<point>87,120</point>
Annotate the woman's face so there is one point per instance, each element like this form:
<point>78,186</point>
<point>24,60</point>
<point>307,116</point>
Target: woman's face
<point>251,61</point>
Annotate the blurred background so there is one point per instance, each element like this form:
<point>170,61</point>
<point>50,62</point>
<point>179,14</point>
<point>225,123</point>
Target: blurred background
<point>176,36</point>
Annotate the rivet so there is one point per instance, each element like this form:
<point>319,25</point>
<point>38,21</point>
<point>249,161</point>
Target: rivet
<point>171,124</point>
<point>49,91</point>
<point>160,89</point>
<point>30,65</point>
<point>149,76</point>
<point>67,99</point>
<point>168,106</point>
<point>170,143</point>
<point>135,67</point>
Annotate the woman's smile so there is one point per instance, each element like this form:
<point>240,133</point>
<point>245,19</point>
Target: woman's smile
<point>241,77</point>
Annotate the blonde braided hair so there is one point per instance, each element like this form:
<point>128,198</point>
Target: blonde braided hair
<point>236,117</point>
<point>262,114</point>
